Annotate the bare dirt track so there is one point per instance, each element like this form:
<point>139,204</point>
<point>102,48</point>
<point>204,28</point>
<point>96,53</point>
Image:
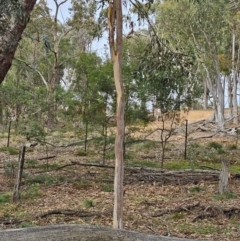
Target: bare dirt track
<point>56,191</point>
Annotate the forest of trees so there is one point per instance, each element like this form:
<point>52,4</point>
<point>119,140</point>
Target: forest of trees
<point>176,55</point>
<point>172,56</point>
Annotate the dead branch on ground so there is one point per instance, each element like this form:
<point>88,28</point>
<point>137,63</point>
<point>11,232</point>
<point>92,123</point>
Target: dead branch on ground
<point>177,209</point>
<point>70,212</point>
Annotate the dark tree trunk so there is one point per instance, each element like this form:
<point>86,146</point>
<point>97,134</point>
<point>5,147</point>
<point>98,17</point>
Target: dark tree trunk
<point>16,194</point>
<point>10,40</point>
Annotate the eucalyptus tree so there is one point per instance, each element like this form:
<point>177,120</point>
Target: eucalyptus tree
<point>15,96</point>
<point>233,79</point>
<point>135,95</point>
<point>44,34</point>
<point>115,26</point>
<point>93,88</point>
<point>201,28</point>
<point>14,17</point>
<point>55,46</point>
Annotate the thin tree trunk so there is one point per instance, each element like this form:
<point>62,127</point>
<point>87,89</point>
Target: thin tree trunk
<point>206,95</point>
<point>115,24</point>
<point>234,75</point>
<point>9,133</point>
<point>230,99</point>
<point>220,95</point>
<point>16,194</point>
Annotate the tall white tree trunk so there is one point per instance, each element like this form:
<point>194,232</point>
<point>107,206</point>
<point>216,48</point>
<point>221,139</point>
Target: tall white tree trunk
<point>220,94</point>
<point>220,104</point>
<point>230,99</point>
<point>206,95</point>
<point>115,42</point>
<point>234,76</point>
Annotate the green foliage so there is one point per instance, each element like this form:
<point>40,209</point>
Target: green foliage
<point>143,163</point>
<point>135,115</point>
<point>177,216</point>
<point>225,196</point>
<point>31,130</point>
<point>107,188</point>
<point>146,145</point>
<point>215,145</point>
<point>211,152</point>
<point>232,147</point>
<point>32,191</point>
<point>44,179</point>
<point>30,163</point>
<point>83,184</point>
<point>26,225</point>
<point>88,203</point>
<point>194,145</point>
<point>10,168</point>
<point>110,155</point>
<point>4,198</point>
<point>80,152</point>
<point>10,150</point>
<point>179,165</point>
<point>195,189</point>
<point>48,166</point>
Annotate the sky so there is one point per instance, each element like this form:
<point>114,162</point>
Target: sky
<point>98,46</point>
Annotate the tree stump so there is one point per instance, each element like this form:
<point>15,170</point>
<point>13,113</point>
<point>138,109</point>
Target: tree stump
<point>223,178</point>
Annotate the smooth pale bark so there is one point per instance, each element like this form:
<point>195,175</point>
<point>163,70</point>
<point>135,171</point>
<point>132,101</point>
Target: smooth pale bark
<point>78,233</point>
<point>115,42</point>
<point>220,94</point>
<point>234,77</point>
<point>206,95</point>
<point>9,42</point>
<point>230,99</point>
<point>215,87</point>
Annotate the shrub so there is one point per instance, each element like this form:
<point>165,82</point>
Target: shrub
<point>215,145</point>
<point>88,203</point>
<point>83,184</point>
<point>107,188</point>
<point>80,153</point>
<point>10,150</point>
<point>32,192</point>
<point>4,198</point>
<point>44,179</point>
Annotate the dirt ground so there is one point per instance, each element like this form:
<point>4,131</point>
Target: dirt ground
<point>57,191</point>
<point>197,115</point>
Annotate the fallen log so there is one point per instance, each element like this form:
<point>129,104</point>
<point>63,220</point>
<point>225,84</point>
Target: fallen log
<point>78,233</point>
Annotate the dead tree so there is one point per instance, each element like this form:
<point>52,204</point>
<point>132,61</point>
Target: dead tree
<point>223,179</point>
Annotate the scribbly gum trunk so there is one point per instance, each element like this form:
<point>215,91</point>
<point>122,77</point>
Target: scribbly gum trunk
<point>115,42</point>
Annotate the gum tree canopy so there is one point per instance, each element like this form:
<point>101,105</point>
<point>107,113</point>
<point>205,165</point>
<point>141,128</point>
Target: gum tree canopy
<point>14,16</point>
